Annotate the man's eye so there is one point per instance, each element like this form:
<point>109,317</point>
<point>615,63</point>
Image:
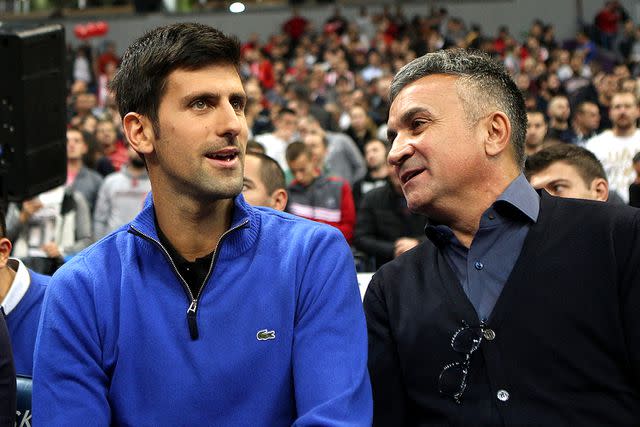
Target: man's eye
<point>238,105</point>
<point>415,124</point>
<point>199,105</point>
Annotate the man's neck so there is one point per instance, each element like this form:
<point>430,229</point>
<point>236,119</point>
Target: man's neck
<point>193,227</point>
<point>624,132</point>
<point>465,221</point>
<point>557,124</point>
<point>74,165</point>
<point>379,173</point>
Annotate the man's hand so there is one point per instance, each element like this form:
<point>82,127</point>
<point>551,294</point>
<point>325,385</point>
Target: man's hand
<point>403,244</point>
<point>52,250</point>
<point>29,207</point>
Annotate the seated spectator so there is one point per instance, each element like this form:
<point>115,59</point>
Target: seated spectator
<point>318,197</point>
<point>264,183</point>
<point>343,158</point>
<point>362,127</point>
<point>559,111</point>
<point>385,227</point>
<point>79,177</point>
<point>113,149</point>
<point>49,228</point>
<point>375,154</point>
<point>536,132</point>
<point>121,196</point>
<point>21,295</point>
<point>615,148</point>
<point>275,143</point>
<point>565,170</point>
<point>586,121</point>
<point>634,188</point>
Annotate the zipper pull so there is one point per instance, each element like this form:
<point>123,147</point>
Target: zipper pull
<point>191,319</point>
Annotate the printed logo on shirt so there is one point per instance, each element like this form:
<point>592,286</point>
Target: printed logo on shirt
<point>264,335</point>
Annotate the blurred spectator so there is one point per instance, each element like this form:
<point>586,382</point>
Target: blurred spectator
<point>264,183</point>
<point>375,154</point>
<point>276,142</point>
<point>362,127</point>
<point>615,148</point>
<point>318,197</point>
<point>49,228</point>
<point>536,132</point>
<point>82,64</point>
<point>566,170</point>
<point>343,158</point>
<point>111,147</point>
<point>79,177</point>
<point>607,20</point>
<point>559,112</point>
<point>121,195</point>
<point>295,26</point>
<point>385,228</point>
<point>586,121</point>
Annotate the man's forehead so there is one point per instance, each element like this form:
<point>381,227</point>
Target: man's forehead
<point>202,78</point>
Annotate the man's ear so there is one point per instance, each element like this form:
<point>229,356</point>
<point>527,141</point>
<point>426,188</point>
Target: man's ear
<point>600,189</point>
<point>139,132</point>
<point>498,131</point>
<point>5,251</point>
<point>279,199</point>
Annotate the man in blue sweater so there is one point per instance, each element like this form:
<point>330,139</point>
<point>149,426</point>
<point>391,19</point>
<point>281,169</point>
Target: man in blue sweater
<point>520,308</point>
<point>21,294</point>
<point>203,310</point>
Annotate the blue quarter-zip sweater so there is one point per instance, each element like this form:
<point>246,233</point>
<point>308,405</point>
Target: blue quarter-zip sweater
<point>281,332</point>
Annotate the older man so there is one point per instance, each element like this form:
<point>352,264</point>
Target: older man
<point>520,308</point>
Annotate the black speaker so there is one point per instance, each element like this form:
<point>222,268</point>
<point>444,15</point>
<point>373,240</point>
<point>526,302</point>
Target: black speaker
<point>32,110</point>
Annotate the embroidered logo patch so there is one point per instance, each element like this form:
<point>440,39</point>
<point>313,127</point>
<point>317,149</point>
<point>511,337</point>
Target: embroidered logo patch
<point>264,335</point>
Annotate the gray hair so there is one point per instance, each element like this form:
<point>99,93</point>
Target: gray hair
<point>483,85</point>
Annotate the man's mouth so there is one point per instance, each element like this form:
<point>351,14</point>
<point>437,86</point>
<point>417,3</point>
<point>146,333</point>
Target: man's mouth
<point>224,155</point>
<point>406,176</point>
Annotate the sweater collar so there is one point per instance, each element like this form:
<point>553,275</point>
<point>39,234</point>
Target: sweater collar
<point>242,233</point>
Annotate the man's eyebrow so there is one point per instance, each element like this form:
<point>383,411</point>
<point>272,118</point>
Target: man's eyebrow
<point>406,117</point>
<point>405,120</point>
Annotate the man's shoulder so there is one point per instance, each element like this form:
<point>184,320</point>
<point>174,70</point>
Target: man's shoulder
<point>286,224</point>
<point>585,213</point>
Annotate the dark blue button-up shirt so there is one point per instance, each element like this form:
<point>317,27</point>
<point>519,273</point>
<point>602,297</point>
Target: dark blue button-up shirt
<point>484,268</point>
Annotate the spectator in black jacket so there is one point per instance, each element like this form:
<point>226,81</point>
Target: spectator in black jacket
<point>385,228</point>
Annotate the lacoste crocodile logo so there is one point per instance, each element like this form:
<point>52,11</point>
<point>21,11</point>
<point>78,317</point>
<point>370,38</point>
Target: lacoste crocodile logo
<point>264,335</point>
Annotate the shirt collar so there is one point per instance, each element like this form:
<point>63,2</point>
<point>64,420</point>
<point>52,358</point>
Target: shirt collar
<point>18,288</point>
<point>521,195</point>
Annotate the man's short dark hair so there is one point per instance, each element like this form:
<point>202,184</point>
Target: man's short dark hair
<point>140,80</point>
<point>271,174</point>
<point>585,162</point>
<point>581,105</point>
<point>483,84</point>
<point>297,149</point>
<point>284,111</point>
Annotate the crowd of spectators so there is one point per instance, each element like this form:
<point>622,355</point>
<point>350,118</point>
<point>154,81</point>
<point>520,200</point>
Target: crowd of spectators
<point>327,86</point>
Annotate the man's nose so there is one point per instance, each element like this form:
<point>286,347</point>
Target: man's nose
<point>400,151</point>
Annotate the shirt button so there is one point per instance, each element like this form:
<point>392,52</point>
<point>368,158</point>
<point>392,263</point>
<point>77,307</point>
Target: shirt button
<point>503,395</point>
<point>489,334</point>
<point>492,216</point>
<point>478,265</point>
